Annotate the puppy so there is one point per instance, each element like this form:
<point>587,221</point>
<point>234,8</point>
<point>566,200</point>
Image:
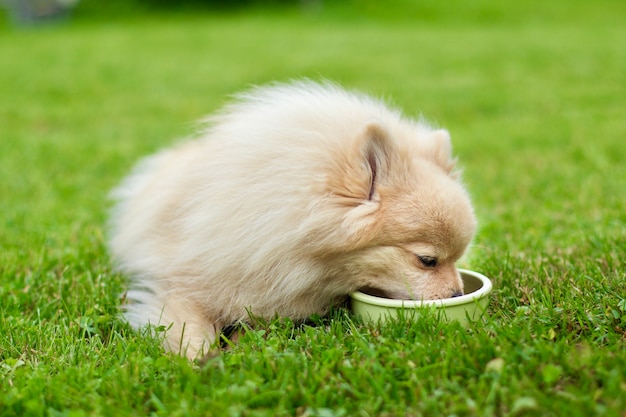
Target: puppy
<point>291,198</point>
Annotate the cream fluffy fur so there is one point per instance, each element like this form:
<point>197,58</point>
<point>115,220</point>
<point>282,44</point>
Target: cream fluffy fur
<point>293,197</point>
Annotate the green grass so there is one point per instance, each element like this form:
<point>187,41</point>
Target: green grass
<point>535,100</point>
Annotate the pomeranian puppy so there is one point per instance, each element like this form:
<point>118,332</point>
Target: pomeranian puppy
<point>292,197</point>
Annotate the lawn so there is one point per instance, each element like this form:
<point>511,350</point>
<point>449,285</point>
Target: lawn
<point>534,96</point>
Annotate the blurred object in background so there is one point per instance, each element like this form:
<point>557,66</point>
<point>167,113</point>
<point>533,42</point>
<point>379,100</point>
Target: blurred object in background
<point>35,12</point>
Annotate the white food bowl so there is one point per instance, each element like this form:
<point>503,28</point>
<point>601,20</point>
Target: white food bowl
<point>471,305</point>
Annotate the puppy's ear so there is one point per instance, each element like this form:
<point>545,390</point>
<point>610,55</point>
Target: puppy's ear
<point>376,154</point>
<point>438,149</point>
<point>356,185</point>
<point>365,164</point>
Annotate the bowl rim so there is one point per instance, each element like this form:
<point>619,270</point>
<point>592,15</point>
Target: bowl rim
<point>482,292</point>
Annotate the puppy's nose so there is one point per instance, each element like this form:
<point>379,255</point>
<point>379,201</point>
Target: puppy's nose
<point>457,294</point>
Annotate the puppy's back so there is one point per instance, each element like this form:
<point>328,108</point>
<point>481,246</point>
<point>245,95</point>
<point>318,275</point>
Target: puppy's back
<point>257,170</point>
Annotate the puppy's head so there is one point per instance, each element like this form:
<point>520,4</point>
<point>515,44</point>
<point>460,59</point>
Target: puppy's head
<point>407,219</point>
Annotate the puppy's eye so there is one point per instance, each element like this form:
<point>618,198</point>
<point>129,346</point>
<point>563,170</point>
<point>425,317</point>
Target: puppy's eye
<point>427,261</point>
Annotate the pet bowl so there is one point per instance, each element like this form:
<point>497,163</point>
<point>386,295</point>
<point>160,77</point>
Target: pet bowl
<point>470,306</point>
